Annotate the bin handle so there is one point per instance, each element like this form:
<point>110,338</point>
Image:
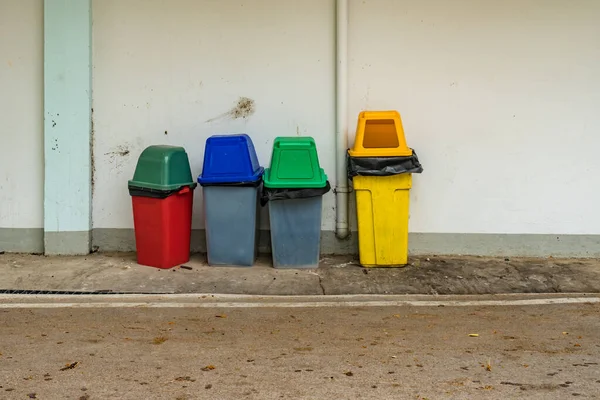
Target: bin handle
<point>184,190</point>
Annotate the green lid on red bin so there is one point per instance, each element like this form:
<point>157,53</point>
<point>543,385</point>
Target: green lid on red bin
<point>163,168</point>
<point>294,164</point>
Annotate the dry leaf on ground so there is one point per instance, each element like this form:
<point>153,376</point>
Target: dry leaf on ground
<point>159,340</point>
<point>70,366</point>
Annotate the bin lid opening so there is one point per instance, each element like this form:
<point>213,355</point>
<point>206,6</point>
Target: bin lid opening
<point>380,134</point>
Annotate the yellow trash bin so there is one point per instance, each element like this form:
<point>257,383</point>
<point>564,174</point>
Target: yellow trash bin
<point>383,196</point>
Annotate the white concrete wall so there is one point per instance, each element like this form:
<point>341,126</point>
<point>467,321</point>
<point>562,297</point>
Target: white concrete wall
<point>21,114</point>
<point>177,66</point>
<point>499,98</point>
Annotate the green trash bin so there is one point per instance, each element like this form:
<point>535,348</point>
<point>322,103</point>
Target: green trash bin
<point>294,186</point>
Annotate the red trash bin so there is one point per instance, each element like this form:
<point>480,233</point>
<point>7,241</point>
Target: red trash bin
<point>162,198</point>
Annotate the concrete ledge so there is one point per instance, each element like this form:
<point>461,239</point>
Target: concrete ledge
<point>514,245</point>
<point>511,245</point>
<point>31,240</point>
<point>336,275</point>
<point>22,240</point>
<point>122,240</point>
<point>67,243</point>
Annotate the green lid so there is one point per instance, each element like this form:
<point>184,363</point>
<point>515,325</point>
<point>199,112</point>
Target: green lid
<point>163,168</point>
<point>294,164</point>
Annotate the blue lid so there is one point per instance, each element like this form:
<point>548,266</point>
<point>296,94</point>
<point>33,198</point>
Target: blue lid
<point>230,159</point>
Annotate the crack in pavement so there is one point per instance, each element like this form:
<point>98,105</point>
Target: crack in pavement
<point>320,283</point>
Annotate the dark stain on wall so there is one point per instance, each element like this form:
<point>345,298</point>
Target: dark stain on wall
<point>244,108</point>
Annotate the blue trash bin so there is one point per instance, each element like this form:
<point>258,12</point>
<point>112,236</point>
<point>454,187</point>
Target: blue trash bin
<point>231,180</point>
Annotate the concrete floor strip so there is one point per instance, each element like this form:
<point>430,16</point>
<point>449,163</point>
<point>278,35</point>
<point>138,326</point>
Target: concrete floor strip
<point>199,303</point>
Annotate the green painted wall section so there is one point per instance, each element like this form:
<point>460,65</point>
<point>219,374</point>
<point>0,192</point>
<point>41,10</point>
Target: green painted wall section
<point>67,123</point>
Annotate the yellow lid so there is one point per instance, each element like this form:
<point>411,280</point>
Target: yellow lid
<point>380,134</point>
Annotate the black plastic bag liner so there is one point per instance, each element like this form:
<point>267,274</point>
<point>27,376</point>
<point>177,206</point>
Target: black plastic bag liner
<point>256,183</point>
<point>155,193</point>
<point>290,194</point>
<point>383,166</point>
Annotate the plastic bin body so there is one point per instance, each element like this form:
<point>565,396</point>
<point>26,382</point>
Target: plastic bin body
<point>382,206</point>
<point>296,232</point>
<point>230,214</point>
<point>163,228</point>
